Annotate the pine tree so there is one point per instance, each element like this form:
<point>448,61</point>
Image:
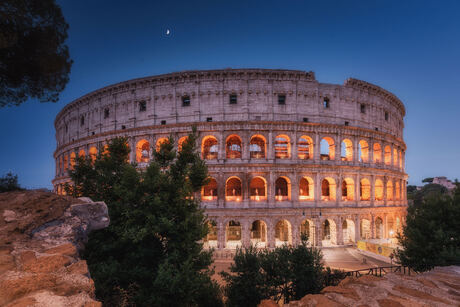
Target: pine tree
<point>151,254</point>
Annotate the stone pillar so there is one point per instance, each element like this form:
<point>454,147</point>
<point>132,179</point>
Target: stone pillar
<point>221,144</point>
<point>357,228</point>
<point>271,189</point>
<point>271,234</point>
<point>385,181</point>
<point>318,232</point>
<point>221,188</point>
<point>371,152</point>
<point>338,148</point>
<point>271,149</point>
<point>132,148</point>
<point>245,189</point>
<point>317,188</point>
<point>355,150</point>
<point>295,189</point>
<point>294,233</point>
<point>245,143</point>
<point>338,190</point>
<point>357,186</point>
<point>372,226</point>
<point>293,149</point>
<point>316,148</point>
<point>245,233</point>
<point>220,235</point>
<point>338,226</point>
<point>372,190</point>
<point>385,226</point>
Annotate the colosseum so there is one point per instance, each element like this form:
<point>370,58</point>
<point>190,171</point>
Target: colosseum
<point>286,154</point>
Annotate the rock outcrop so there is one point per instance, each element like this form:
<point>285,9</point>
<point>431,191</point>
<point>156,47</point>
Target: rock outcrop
<point>41,234</point>
<point>437,288</point>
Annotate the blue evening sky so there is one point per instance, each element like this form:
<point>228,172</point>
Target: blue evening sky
<point>411,48</point>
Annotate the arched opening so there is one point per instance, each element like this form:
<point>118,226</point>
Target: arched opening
<point>365,229</point>
<point>348,230</point>
<point>66,162</point>
<point>283,233</point>
<point>328,188</point>
<point>105,150</point>
<point>143,151</point>
<point>387,155</point>
<point>282,147</point>
<point>181,142</point>
<point>346,150</point>
<point>391,227</point>
<point>395,157</point>
<point>348,189</point>
<point>377,153</point>
<point>210,241</point>
<point>378,228</point>
<point>364,189</point>
<point>233,189</point>
<point>389,190</point>
<point>209,191</point>
<point>327,147</point>
<point>282,189</point>
<point>257,147</point>
<point>305,147</point>
<point>378,189</point>
<point>306,189</point>
<point>259,234</point>
<point>329,232</point>
<point>258,189</point>
<point>159,142</point>
<point>233,147</point>
<point>209,148</point>
<point>397,190</point>
<point>363,151</point>
<point>73,157</point>
<point>93,153</point>
<point>233,235</point>
<point>307,228</point>
<point>82,153</point>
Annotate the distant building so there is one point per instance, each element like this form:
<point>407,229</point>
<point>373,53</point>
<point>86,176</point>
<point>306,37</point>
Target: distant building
<point>444,182</point>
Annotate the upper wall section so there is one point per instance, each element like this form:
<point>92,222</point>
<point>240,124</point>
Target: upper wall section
<point>261,94</point>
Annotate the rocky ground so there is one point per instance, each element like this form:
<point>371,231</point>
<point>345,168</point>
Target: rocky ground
<point>437,288</point>
<point>41,234</point>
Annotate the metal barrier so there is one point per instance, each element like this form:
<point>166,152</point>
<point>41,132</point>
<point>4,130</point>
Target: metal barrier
<point>379,271</point>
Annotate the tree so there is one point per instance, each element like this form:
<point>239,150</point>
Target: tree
<point>431,236</point>
<point>150,255</point>
<point>34,61</point>
<point>283,274</point>
<point>9,183</point>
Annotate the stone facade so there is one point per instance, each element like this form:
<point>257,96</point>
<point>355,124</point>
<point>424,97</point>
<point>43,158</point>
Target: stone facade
<point>287,154</point>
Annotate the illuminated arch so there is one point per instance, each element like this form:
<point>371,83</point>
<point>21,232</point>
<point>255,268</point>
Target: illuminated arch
<point>327,147</point>
<point>348,189</point>
<point>400,160</point>
<point>283,234</point>
<point>259,234</point>
<point>81,153</point>
<point>210,241</point>
<point>363,149</point>
<point>282,189</point>
<point>258,189</point>
<point>397,190</point>
<point>93,153</point>
<point>73,157</point>
<point>233,147</point>
<point>364,189</point>
<point>378,187</point>
<point>347,150</point>
<point>282,146</point>
<point>159,142</point>
<point>365,229</point>
<point>306,189</point>
<point>233,234</point>
<point>66,162</point>
<point>348,229</point>
<point>305,147</point>
<point>328,189</point>
<point>377,153</point>
<point>257,147</point>
<point>395,157</point>
<point>181,142</point>
<point>233,189</point>
<point>307,228</point>
<point>209,148</point>
<point>387,154</point>
<point>329,232</point>
<point>143,151</point>
<point>390,190</point>
<point>209,191</point>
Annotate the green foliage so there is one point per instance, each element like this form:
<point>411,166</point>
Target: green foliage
<point>431,236</point>
<point>150,254</point>
<point>428,180</point>
<point>34,61</point>
<point>9,183</point>
<point>283,274</point>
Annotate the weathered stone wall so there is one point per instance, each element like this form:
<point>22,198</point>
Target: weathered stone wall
<point>41,234</point>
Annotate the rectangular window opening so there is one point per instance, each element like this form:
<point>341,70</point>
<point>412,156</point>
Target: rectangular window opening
<point>347,123</point>
<point>305,119</point>
<point>386,116</point>
<point>282,99</point>
<point>363,108</point>
<point>233,99</point>
<point>106,113</point>
<point>185,101</point>
<point>163,122</point>
<point>209,119</point>
<point>142,106</point>
<point>326,104</point>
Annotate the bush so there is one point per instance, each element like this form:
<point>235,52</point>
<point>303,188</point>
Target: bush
<point>283,274</point>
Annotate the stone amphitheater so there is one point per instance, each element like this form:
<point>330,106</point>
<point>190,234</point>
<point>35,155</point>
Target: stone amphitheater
<point>287,154</point>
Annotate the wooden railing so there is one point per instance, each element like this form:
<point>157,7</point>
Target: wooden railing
<point>379,271</point>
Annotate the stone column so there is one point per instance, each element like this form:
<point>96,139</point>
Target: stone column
<point>355,150</point>
<point>371,152</point>
<point>132,148</point>
<point>316,148</point>
<point>271,150</point>
<point>294,233</point>
<point>221,189</point>
<point>338,226</point>
<point>245,233</point>
<point>221,144</point>
<point>245,144</point>
<point>372,226</point>
<point>338,190</point>
<point>295,189</point>
<point>271,190</point>
<point>357,228</point>
<point>317,189</point>
<point>385,181</point>
<point>271,234</point>
<point>318,232</point>
<point>372,190</point>
<point>220,234</point>
<point>293,149</point>
<point>357,185</point>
